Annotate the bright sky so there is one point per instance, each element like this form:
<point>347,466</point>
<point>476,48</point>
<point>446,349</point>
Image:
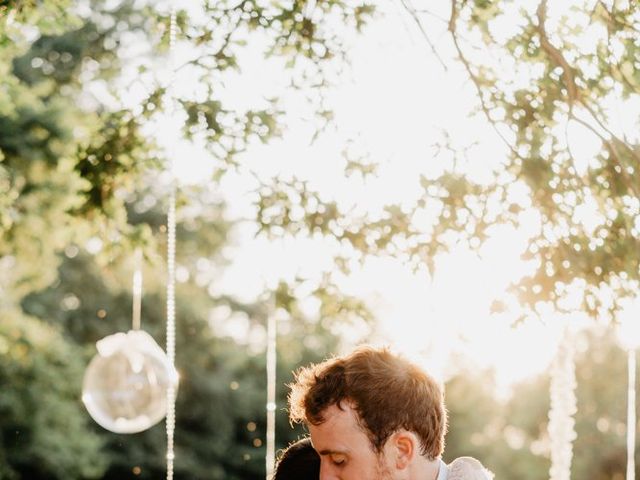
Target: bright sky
<point>394,103</point>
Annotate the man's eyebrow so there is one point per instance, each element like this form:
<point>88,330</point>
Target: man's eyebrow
<point>332,452</point>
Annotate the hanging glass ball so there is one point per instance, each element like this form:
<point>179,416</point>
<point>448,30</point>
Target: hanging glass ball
<point>125,384</point>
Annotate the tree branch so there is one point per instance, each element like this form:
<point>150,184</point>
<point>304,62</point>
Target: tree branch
<point>556,55</point>
<point>613,136</point>
<point>474,78</point>
<point>611,145</point>
<point>573,94</point>
<point>414,15</point>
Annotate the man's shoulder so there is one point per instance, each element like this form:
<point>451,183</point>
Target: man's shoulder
<point>468,468</point>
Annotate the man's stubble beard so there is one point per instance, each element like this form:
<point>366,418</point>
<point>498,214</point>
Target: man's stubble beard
<point>382,471</point>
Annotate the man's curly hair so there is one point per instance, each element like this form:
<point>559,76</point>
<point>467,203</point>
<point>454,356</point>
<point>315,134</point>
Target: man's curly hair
<point>387,392</point>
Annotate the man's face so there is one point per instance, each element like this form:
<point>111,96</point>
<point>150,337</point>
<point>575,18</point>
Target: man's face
<point>345,450</point>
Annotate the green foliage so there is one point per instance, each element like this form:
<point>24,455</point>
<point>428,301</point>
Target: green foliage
<point>115,159</point>
<point>70,162</point>
<point>39,187</point>
<point>44,431</point>
<point>67,171</point>
<point>59,57</point>
<point>49,16</point>
<point>63,168</point>
<point>510,436</point>
<point>221,424</point>
<point>601,372</point>
<point>69,157</point>
<point>556,81</point>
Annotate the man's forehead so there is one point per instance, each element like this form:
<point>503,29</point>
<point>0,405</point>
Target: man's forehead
<point>328,442</point>
<point>339,433</point>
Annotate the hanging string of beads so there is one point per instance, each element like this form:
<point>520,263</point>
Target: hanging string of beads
<point>628,333</point>
<point>171,280</point>
<point>563,406</point>
<point>271,386</point>
<point>631,415</point>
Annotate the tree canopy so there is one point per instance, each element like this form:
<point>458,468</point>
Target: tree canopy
<point>83,86</point>
<point>549,79</point>
<point>80,189</point>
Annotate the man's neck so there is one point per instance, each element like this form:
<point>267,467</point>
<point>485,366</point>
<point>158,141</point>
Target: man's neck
<point>427,469</point>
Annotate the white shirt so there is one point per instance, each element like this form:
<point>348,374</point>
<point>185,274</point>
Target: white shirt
<point>443,471</point>
<point>464,468</point>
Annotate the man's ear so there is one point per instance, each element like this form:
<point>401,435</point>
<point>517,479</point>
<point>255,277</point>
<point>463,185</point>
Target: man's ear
<point>405,447</point>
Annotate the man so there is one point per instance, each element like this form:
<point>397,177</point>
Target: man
<point>373,415</point>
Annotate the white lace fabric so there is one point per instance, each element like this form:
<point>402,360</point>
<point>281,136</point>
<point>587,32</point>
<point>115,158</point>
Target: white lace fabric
<point>468,468</point>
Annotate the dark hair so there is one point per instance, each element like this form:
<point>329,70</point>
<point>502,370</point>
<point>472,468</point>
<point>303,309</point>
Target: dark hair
<point>387,392</point>
<point>298,462</point>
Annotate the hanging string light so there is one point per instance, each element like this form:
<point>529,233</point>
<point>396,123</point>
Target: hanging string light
<point>563,406</point>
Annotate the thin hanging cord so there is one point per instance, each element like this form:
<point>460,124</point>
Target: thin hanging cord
<point>631,416</point>
<point>271,386</point>
<point>171,279</point>
<point>137,289</point>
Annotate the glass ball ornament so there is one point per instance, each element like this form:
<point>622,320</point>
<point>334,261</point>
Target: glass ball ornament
<point>125,385</point>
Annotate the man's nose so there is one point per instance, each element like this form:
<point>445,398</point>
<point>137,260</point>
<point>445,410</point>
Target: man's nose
<point>326,472</point>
